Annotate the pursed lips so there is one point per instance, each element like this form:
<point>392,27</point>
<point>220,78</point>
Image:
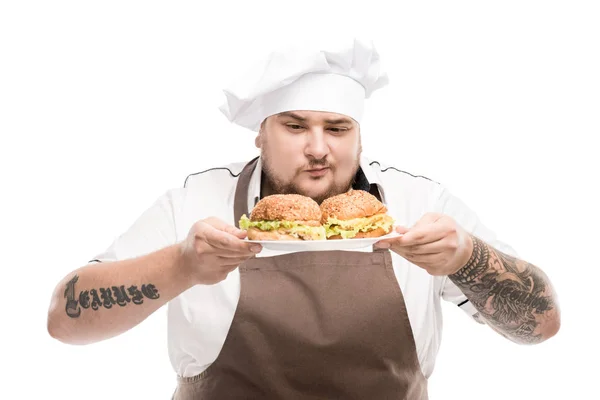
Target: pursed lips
<point>318,171</point>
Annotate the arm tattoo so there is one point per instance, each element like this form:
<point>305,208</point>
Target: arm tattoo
<point>476,265</point>
<point>513,296</point>
<point>106,297</point>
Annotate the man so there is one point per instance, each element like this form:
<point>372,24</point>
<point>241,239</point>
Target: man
<point>248,323</point>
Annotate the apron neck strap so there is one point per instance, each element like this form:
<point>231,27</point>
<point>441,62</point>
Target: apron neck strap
<point>240,205</point>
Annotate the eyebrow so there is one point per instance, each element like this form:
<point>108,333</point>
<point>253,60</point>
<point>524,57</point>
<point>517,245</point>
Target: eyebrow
<point>291,115</point>
<point>338,121</point>
<point>302,119</point>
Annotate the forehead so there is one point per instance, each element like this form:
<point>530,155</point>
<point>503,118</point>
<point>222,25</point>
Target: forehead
<point>314,116</point>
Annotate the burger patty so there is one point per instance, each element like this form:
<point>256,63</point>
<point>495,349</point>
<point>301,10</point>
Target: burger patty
<point>301,232</point>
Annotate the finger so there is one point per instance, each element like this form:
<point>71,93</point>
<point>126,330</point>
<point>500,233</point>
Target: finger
<point>387,243</point>
<point>228,259</point>
<point>223,226</point>
<point>420,235</point>
<point>415,236</point>
<point>231,266</point>
<point>429,248</point>
<point>401,229</point>
<point>238,233</point>
<point>232,230</point>
<point>425,259</point>
<point>228,243</point>
<point>232,263</point>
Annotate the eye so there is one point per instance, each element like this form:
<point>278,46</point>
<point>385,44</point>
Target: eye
<point>295,127</point>
<point>338,130</point>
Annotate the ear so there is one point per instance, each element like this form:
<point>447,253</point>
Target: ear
<point>258,139</point>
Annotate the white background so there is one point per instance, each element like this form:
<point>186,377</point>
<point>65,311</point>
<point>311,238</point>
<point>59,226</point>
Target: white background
<point>105,105</point>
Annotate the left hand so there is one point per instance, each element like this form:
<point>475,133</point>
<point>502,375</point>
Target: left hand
<point>435,243</point>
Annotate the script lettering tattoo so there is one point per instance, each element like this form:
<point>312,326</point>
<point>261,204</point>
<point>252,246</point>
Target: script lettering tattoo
<point>121,295</point>
<point>105,297</point>
<point>511,295</point>
<point>136,295</point>
<point>96,303</point>
<point>84,299</point>
<point>150,291</point>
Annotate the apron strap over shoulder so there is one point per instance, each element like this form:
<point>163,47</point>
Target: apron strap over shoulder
<point>240,205</point>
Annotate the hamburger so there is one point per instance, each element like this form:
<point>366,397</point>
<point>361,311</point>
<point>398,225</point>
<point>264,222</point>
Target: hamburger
<point>353,215</point>
<point>284,217</point>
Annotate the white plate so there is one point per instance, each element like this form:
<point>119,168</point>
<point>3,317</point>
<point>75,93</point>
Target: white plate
<point>321,245</point>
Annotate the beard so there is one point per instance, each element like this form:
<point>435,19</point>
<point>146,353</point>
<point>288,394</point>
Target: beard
<point>280,186</point>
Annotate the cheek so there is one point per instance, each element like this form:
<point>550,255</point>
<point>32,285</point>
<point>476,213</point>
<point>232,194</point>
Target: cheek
<point>285,156</point>
<point>345,151</point>
<point>287,148</point>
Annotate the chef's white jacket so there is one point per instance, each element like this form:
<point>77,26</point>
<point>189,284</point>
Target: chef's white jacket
<point>199,319</point>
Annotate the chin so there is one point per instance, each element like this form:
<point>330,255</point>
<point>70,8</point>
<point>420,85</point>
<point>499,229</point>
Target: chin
<point>314,189</point>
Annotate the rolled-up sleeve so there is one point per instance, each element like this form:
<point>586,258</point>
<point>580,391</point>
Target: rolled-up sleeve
<point>153,230</point>
<point>454,207</point>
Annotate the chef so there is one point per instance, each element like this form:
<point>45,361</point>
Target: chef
<point>248,323</point>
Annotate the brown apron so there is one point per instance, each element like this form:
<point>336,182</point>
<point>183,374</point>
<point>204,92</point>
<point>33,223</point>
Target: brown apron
<point>313,325</point>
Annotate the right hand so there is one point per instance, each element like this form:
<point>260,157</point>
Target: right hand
<point>213,249</point>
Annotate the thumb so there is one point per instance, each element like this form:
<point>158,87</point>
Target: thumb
<point>240,234</point>
<point>222,226</point>
<point>401,229</point>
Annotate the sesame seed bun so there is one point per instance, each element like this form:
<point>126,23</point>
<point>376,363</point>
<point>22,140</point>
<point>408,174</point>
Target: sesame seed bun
<point>287,207</point>
<point>352,211</point>
<point>350,205</point>
<point>302,211</point>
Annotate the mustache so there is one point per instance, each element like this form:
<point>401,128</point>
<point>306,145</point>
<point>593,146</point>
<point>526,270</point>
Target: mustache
<point>313,164</point>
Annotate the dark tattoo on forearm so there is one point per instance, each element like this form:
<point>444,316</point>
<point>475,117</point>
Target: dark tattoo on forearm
<point>476,265</point>
<point>510,294</point>
<point>106,297</point>
<point>71,307</point>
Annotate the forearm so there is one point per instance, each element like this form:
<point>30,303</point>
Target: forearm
<point>103,300</point>
<point>514,297</point>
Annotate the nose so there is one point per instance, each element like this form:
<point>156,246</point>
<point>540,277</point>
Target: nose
<point>316,144</point>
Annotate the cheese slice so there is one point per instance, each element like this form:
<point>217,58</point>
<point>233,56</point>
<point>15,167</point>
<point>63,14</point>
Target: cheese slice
<point>349,228</point>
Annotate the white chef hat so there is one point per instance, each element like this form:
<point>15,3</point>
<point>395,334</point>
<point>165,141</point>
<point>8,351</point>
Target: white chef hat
<point>335,78</point>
